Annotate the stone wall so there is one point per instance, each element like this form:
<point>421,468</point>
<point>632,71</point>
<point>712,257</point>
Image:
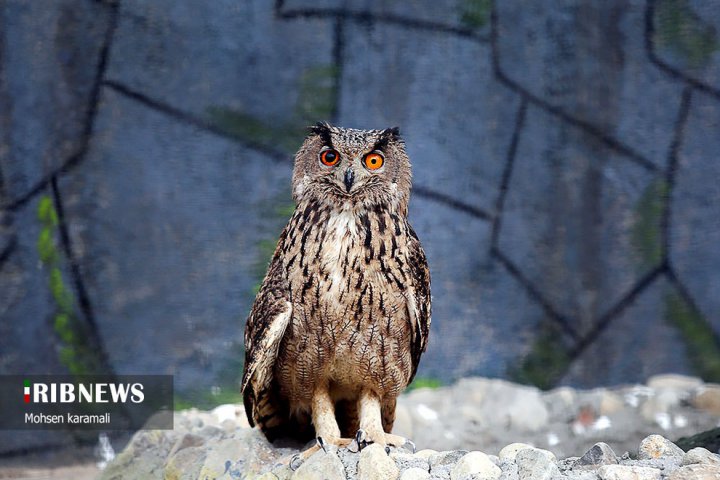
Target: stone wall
<point>565,166</point>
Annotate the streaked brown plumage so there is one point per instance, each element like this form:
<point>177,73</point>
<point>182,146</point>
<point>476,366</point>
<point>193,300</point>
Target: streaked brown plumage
<point>343,315</point>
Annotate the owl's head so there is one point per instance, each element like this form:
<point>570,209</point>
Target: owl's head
<point>346,167</point>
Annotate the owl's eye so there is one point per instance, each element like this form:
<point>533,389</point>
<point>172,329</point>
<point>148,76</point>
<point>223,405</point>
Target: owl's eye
<point>374,160</point>
<point>329,157</point>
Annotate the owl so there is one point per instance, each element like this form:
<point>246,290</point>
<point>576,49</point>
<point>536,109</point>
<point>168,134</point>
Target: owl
<point>338,326</point>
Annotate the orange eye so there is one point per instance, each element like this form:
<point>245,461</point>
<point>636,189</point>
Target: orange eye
<point>373,161</point>
<point>329,157</point>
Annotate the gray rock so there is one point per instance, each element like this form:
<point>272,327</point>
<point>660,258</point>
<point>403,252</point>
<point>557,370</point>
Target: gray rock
<point>624,472</point>
<point>442,463</point>
<point>657,446</point>
<point>599,454</point>
<point>509,452</point>
<point>350,462</point>
<point>184,465</point>
<point>475,466</point>
<point>708,399</point>
<point>536,464</point>
<point>415,473</point>
<point>696,472</point>
<point>376,463</point>
<point>321,466</point>
<point>187,440</point>
<point>509,470</point>
<point>700,455</point>
<point>674,382</point>
<point>405,461</point>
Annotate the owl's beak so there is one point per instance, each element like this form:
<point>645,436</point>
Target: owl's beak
<point>349,179</point>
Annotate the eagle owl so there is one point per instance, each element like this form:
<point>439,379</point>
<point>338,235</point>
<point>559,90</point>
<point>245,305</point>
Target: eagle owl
<point>343,314</point>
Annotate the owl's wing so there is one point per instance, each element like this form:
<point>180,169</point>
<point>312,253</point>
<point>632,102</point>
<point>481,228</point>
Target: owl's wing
<point>264,331</point>
<point>419,302</point>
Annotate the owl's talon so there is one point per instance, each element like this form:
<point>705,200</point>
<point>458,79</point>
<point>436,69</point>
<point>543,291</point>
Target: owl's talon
<point>411,444</point>
<point>360,439</point>
<point>295,462</point>
<point>322,444</point>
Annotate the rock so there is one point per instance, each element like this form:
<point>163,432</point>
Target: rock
<point>509,471</point>
<point>185,464</point>
<point>442,463</point>
<point>673,381</point>
<point>708,399</point>
<point>696,472</point>
<point>426,453</point>
<point>509,452</point>
<point>599,454</point>
<point>610,403</point>
<point>657,446</point>
<point>626,472</point>
<point>415,473</point>
<point>561,403</point>
<point>222,452</point>
<point>536,464</point>
<point>476,466</point>
<point>405,461</point>
<point>521,406</point>
<point>321,466</point>
<point>700,455</point>
<point>375,463</point>
<point>187,440</point>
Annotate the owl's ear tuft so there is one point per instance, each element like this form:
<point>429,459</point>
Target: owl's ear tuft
<point>386,136</point>
<point>392,132</point>
<point>322,129</point>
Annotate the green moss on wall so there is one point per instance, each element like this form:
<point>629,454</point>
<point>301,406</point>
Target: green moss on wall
<point>547,361</point>
<point>703,344</point>
<point>475,13</point>
<point>316,101</point>
<point>74,351</point>
<point>646,231</point>
<point>684,32</point>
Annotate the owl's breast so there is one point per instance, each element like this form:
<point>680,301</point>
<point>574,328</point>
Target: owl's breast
<point>350,322</point>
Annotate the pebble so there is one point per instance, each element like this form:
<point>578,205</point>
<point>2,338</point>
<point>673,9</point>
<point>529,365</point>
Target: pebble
<point>700,455</point>
<point>600,454</point>
<point>375,463</point>
<point>406,461</point>
<point>696,472</point>
<point>674,381</point>
<point>708,399</point>
<point>509,452</point>
<point>536,464</point>
<point>475,466</point>
<point>626,472</point>
<point>320,466</point>
<point>415,473</point>
<point>657,446</point>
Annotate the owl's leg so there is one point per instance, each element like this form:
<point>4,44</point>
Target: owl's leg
<point>327,431</point>
<point>371,425</point>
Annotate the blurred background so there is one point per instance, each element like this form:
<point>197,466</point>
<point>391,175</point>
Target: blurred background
<point>566,178</point>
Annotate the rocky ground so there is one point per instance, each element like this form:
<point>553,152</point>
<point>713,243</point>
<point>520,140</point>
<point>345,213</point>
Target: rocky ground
<point>475,429</point>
